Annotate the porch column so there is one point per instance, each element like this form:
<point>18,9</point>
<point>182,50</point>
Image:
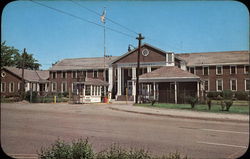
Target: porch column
<point>83,91</point>
<point>133,82</point>
<point>198,89</point>
<point>110,79</point>
<point>175,92</point>
<point>119,82</point>
<point>90,90</point>
<point>94,91</point>
<point>148,85</point>
<point>37,87</point>
<point>154,91</point>
<point>122,81</point>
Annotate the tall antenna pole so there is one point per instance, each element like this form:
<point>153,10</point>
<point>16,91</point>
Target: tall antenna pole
<point>139,38</point>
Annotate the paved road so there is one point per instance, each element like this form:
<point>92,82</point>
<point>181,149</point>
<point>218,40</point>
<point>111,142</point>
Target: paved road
<point>27,127</point>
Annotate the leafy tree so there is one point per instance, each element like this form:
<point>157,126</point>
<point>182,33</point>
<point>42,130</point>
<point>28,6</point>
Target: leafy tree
<point>11,57</point>
<point>7,55</point>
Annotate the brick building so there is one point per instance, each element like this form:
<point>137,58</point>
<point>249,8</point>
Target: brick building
<point>11,81</point>
<point>213,71</point>
<point>164,76</point>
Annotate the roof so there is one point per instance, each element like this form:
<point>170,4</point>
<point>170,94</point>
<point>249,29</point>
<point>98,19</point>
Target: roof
<point>168,73</point>
<point>30,75</point>
<point>135,49</point>
<point>215,58</point>
<point>83,63</point>
<point>94,81</point>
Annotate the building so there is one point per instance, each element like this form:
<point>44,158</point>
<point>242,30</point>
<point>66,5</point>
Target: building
<point>163,75</point>
<point>11,81</point>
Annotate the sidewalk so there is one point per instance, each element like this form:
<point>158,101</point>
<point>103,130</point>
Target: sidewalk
<point>177,113</point>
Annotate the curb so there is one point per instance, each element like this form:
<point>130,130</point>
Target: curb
<point>182,117</point>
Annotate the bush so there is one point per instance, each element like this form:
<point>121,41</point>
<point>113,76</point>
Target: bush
<point>241,95</point>
<point>81,149</point>
<point>227,94</point>
<point>193,101</point>
<point>228,104</point>
<point>209,103</point>
<point>213,95</point>
<point>34,96</point>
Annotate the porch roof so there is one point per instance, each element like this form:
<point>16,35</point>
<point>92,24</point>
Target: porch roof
<point>168,73</point>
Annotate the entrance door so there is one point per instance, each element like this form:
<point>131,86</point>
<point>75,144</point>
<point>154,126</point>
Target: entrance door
<point>129,85</point>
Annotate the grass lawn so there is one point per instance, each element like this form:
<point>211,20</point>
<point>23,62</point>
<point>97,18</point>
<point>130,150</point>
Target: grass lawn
<point>238,107</point>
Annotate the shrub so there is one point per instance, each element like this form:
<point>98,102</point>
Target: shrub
<point>209,103</point>
<point>228,104</point>
<point>34,96</point>
<point>65,94</point>
<point>213,95</point>
<point>193,101</point>
<point>82,149</point>
<point>227,94</point>
<point>241,95</point>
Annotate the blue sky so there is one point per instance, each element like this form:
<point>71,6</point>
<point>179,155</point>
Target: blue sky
<point>190,26</point>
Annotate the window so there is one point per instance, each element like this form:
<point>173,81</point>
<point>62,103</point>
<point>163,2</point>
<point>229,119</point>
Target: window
<point>74,74</point>
<point>129,72</point>
<point>64,87</point>
<point>205,70</point>
<point>64,75</point>
<point>233,70</point>
<point>233,84</point>
<point>95,73</point>
<point>219,85</point>
<point>11,87</point>
<point>206,85</point>
<point>53,75</point>
<point>246,69</point>
<point>192,70</point>
<point>87,90</point>
<point>54,87</point>
<point>170,57</point>
<point>3,86</point>
<point>19,86</point>
<point>247,84</point>
<point>219,70</point>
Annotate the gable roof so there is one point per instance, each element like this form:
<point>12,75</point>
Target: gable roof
<point>30,75</point>
<point>168,73</point>
<point>215,58</point>
<point>82,63</point>
<point>135,49</point>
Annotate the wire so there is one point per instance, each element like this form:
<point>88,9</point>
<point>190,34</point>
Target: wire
<point>106,17</point>
<point>85,20</point>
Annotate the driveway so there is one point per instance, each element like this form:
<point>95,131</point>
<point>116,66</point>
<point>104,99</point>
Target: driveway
<point>25,128</point>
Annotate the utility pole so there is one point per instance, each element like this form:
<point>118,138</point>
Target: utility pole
<point>139,38</point>
<point>23,82</point>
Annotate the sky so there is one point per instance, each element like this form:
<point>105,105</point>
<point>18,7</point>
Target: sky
<point>178,26</point>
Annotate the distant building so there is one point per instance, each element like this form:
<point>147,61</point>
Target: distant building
<point>11,81</point>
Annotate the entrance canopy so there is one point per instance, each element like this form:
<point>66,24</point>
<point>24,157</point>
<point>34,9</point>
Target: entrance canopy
<point>168,74</point>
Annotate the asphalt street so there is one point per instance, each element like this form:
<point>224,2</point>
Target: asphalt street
<point>25,128</point>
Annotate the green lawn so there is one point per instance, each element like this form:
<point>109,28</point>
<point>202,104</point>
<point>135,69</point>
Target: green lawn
<point>238,107</point>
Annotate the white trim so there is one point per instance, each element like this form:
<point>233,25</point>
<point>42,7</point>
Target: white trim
<point>10,87</point>
<point>65,82</point>
<point>3,87</point>
<point>231,84</point>
<point>203,70</point>
<point>217,85</point>
<point>18,85</point>
<point>189,69</point>
<point>245,70</point>
<point>208,84</point>
<point>52,89</point>
<point>246,84</point>
<point>235,69</point>
<point>221,70</point>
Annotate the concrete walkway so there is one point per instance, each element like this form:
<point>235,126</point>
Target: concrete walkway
<point>177,113</point>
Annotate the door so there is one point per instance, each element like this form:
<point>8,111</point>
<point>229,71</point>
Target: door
<point>129,85</point>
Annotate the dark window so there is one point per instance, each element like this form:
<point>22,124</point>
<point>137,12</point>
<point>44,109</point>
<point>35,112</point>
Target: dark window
<point>3,87</point>
<point>233,69</point>
<point>53,75</point>
<point>95,73</point>
<point>64,74</point>
<point>206,85</point>
<point>219,85</point>
<point>246,69</point>
<point>191,70</point>
<point>233,85</point>
<point>74,74</point>
<point>205,71</point>
<point>219,70</point>
<point>247,85</point>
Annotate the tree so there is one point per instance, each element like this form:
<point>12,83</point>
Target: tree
<point>11,57</point>
<point>7,55</point>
